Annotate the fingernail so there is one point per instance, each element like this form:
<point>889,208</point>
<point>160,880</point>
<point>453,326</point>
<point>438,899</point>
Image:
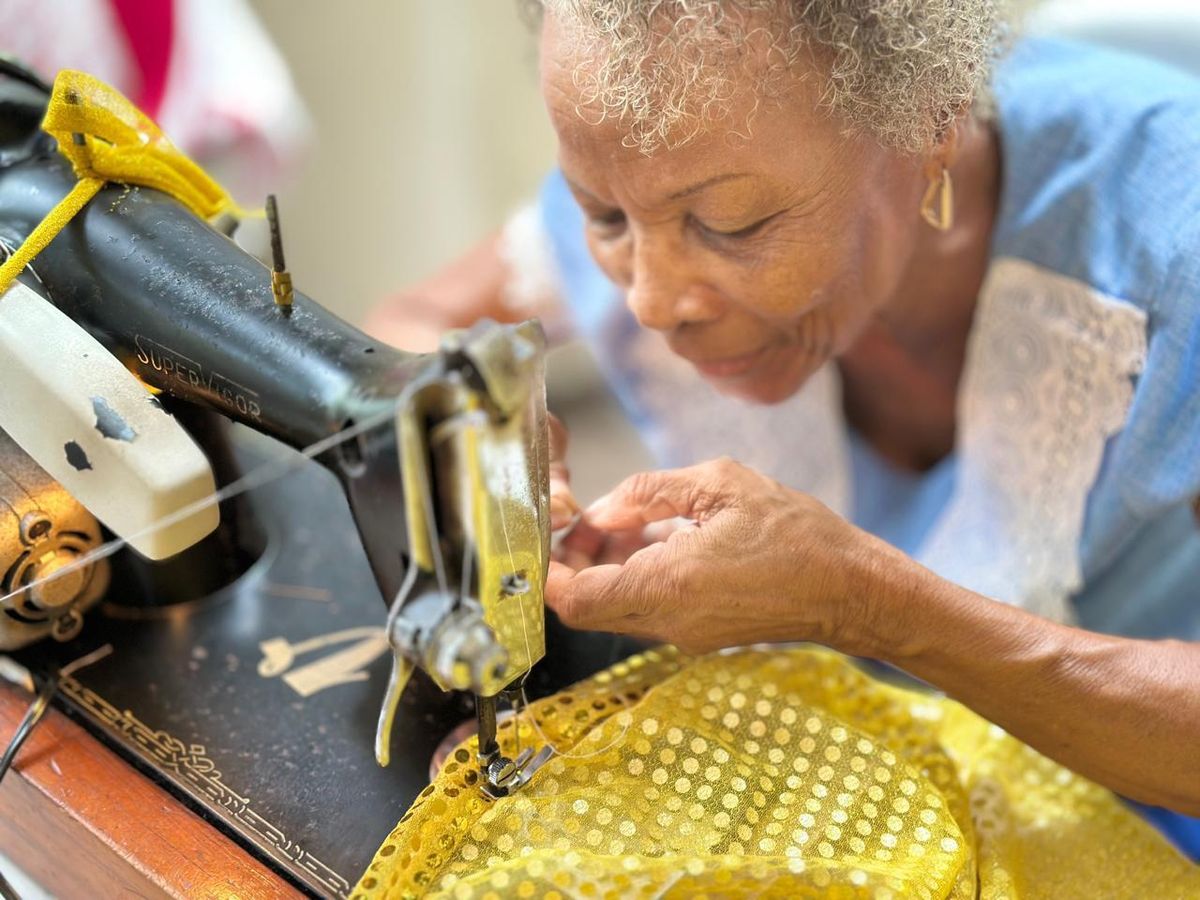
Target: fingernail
<point>599,506</point>
<point>561,512</point>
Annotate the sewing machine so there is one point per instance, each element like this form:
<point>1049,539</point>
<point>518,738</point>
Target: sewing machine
<point>249,667</point>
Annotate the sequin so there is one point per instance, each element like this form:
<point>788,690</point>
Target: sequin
<point>863,790</point>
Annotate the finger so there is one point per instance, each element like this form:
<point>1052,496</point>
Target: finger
<point>660,531</point>
<point>587,546</point>
<point>563,506</point>
<point>559,440</point>
<point>567,596</point>
<point>594,598</point>
<point>580,546</point>
<point>577,559</point>
<point>692,493</point>
<point>584,538</point>
<point>620,546</point>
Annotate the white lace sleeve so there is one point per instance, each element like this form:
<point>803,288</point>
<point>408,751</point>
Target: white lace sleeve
<point>1048,379</point>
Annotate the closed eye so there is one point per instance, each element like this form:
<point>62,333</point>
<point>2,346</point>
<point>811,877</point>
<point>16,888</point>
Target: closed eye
<point>611,217</point>
<point>741,233</point>
<point>609,221</point>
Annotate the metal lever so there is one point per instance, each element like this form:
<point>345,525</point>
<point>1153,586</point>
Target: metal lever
<point>402,670</point>
<point>449,640</point>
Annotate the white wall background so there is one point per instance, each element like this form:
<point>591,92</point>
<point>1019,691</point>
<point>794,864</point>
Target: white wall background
<point>428,129</point>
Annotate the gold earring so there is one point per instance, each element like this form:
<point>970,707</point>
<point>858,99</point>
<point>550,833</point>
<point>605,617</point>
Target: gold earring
<point>937,206</point>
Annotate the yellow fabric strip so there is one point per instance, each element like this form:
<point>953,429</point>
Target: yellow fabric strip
<point>771,773</point>
<point>48,229</point>
<point>106,138</point>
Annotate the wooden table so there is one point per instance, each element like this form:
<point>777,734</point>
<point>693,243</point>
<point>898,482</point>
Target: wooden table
<point>84,823</point>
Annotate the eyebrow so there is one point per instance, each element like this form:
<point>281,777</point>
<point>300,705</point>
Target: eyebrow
<point>707,183</point>
<point>678,195</point>
<point>579,189</point>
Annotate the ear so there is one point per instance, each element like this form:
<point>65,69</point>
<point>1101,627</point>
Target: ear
<point>944,152</point>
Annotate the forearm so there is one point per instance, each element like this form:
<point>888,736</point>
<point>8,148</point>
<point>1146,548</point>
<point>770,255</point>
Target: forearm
<point>466,290</point>
<point>1125,713</point>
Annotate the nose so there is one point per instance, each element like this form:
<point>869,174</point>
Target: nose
<point>665,289</point>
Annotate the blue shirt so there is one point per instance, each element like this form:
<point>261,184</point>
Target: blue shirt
<point>1101,183</point>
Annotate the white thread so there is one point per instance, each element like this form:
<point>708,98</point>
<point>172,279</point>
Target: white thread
<point>263,475</point>
<point>568,754</point>
<point>524,700</point>
<point>410,578</point>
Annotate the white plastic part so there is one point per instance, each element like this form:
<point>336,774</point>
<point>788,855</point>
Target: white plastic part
<point>95,429</point>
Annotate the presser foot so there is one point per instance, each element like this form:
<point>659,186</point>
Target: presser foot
<point>504,776</point>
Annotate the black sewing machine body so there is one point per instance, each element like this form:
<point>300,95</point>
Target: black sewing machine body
<point>248,671</point>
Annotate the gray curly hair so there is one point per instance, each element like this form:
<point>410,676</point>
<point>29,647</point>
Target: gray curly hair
<point>898,69</point>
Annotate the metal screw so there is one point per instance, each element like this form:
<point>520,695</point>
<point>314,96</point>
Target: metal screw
<point>514,584</point>
<point>34,526</point>
<point>501,771</point>
<point>67,625</point>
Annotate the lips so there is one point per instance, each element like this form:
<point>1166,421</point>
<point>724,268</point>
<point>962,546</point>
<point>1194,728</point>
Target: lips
<point>728,366</point>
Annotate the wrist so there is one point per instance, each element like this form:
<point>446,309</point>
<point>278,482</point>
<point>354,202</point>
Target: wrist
<point>884,602</point>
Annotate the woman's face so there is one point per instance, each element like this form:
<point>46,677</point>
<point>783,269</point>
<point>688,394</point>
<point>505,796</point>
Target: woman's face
<point>758,259</point>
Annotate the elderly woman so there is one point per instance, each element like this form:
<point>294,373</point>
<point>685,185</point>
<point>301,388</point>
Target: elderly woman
<point>948,324</point>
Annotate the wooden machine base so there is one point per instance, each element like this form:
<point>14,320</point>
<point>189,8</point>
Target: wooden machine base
<point>84,823</point>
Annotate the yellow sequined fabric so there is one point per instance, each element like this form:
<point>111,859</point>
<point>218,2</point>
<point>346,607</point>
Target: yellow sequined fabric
<point>780,773</point>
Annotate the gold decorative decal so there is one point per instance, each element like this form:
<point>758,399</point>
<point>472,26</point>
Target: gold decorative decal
<point>190,767</point>
<point>343,667</point>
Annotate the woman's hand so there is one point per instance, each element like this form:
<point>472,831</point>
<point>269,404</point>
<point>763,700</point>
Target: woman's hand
<point>760,562</point>
<point>586,545</point>
<point>766,563</point>
<point>564,509</point>
<point>583,544</point>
